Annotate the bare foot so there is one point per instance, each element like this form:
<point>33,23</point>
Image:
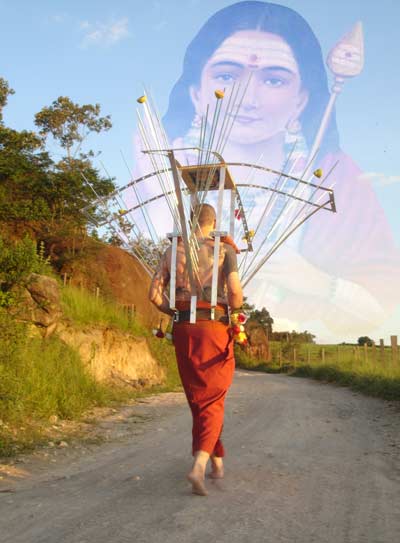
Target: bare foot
<point>217,470</point>
<point>197,479</point>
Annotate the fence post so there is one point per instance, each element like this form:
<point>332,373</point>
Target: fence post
<point>337,354</point>
<point>97,293</point>
<point>373,356</point>
<point>65,278</point>
<point>393,343</point>
<point>323,355</point>
<point>280,355</point>
<point>365,352</point>
<point>129,314</point>
<point>308,355</point>
<point>382,350</point>
<point>294,357</point>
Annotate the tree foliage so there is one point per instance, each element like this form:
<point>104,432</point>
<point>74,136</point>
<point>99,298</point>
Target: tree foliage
<point>365,340</point>
<point>294,337</point>
<point>37,189</point>
<point>5,91</point>
<point>70,123</point>
<point>18,260</point>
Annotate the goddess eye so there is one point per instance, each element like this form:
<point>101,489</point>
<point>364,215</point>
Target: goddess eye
<point>225,77</point>
<point>274,82</point>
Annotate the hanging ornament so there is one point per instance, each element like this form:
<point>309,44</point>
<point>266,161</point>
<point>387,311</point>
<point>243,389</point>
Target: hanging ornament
<point>237,328</point>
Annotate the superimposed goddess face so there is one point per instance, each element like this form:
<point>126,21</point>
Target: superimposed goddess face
<point>274,99</point>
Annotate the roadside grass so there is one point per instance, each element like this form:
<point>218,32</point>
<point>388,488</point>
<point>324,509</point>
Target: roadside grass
<point>365,370</point>
<point>45,378</point>
<point>163,351</point>
<point>40,379</point>
<point>82,307</point>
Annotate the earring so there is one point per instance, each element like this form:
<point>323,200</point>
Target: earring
<point>293,127</point>
<point>295,144</point>
<point>293,133</point>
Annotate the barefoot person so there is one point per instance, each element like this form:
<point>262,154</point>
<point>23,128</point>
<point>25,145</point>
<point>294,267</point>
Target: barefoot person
<point>204,350</point>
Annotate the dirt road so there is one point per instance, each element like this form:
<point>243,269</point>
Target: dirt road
<point>308,462</point>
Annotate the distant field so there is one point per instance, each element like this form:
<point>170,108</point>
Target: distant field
<point>368,369</point>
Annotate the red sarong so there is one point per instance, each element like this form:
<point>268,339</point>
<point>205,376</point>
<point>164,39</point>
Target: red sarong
<point>204,353</point>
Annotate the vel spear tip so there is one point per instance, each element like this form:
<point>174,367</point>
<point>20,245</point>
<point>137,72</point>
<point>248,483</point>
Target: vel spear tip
<point>345,60</point>
<point>318,173</point>
<point>142,99</point>
<point>219,94</point>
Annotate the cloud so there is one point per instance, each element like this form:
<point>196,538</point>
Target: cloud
<point>380,179</point>
<point>104,34</point>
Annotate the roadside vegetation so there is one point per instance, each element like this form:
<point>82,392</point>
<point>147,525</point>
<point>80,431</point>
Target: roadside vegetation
<point>44,379</point>
<point>82,307</point>
<point>367,369</point>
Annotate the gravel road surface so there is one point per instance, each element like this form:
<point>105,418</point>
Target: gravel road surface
<point>307,462</point>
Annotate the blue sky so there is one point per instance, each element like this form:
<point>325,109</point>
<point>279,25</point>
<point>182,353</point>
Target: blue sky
<point>102,51</point>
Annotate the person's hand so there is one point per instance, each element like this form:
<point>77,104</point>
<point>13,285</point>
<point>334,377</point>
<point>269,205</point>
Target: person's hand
<point>290,270</point>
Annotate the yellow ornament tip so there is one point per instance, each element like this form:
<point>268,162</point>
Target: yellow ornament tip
<point>318,173</point>
<point>142,99</point>
<point>219,94</point>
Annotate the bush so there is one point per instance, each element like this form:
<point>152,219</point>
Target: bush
<point>17,261</point>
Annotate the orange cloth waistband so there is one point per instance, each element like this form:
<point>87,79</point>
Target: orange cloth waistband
<point>185,306</point>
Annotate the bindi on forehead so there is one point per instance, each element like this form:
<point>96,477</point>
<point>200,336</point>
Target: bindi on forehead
<point>255,53</point>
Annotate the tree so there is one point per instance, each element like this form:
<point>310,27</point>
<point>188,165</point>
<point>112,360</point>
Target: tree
<point>24,166</point>
<point>34,188</point>
<point>263,318</point>
<point>365,340</point>
<point>70,124</point>
<point>75,181</point>
<point>5,91</point>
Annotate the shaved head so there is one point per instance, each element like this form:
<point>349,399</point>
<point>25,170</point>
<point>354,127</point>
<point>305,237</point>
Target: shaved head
<point>206,214</point>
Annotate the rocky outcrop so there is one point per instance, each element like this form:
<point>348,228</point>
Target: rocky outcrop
<point>111,354</point>
<point>108,353</point>
<point>39,304</point>
<point>116,274</point>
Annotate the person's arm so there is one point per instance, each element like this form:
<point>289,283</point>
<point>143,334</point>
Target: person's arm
<point>235,294</point>
<point>158,285</point>
<point>234,288</point>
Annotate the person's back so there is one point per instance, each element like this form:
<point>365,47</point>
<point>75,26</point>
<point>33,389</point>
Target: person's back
<point>229,292</point>
<point>203,273</point>
<point>204,350</point>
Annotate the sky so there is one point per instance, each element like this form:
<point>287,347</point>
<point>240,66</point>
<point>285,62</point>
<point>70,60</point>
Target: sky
<point>97,51</point>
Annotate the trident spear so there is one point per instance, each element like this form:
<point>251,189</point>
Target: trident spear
<point>345,60</point>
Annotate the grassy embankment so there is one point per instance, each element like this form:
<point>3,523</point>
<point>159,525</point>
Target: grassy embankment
<point>362,369</point>
<point>40,379</point>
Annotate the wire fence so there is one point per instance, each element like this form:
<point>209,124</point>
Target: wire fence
<point>358,355</point>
